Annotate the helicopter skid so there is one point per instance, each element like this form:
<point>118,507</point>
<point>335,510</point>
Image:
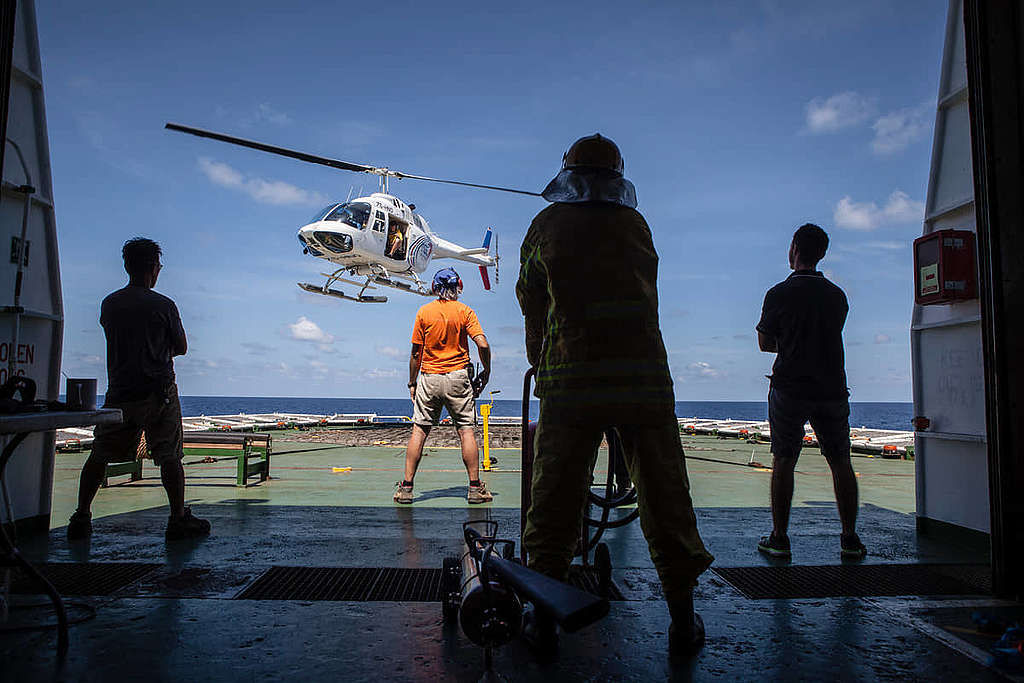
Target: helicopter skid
<point>364,299</point>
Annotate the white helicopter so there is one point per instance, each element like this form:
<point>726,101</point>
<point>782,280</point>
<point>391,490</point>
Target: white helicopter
<point>378,238</point>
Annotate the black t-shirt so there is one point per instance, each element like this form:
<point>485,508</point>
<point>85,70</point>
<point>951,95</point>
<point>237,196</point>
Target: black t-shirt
<point>805,314</point>
<point>144,332</point>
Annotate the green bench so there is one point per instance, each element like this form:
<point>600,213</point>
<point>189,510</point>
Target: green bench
<point>251,450</point>
<point>132,467</point>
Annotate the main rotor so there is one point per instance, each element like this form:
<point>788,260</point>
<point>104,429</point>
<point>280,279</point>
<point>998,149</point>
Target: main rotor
<point>383,172</point>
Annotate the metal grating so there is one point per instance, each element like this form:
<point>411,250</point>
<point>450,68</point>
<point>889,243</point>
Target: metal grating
<point>370,584</point>
<point>356,584</point>
<point>81,578</point>
<point>860,580</point>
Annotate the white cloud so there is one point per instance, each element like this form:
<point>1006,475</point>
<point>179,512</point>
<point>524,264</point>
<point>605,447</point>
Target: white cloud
<point>890,245</point>
<point>85,358</point>
<point>266,191</point>
<point>267,113</point>
<point>883,339</point>
<point>305,329</point>
<point>392,353</point>
<point>702,369</point>
<point>221,174</point>
<point>258,349</point>
<point>894,132</point>
<point>839,111</point>
<point>898,209</point>
<point>380,373</point>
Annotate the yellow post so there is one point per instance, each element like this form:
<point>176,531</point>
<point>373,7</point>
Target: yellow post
<point>485,413</point>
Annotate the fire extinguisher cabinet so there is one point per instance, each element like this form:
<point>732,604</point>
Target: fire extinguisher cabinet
<point>945,267</point>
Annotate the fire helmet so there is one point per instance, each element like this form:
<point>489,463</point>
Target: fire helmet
<point>446,278</point>
<point>593,151</point>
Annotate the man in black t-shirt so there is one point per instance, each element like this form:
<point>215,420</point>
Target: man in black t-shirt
<point>802,321</point>
<point>144,333</point>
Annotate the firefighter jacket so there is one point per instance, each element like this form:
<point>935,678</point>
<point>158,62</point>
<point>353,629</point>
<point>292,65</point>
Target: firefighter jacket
<point>588,290</point>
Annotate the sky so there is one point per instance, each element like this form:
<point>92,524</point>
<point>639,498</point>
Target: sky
<point>738,121</point>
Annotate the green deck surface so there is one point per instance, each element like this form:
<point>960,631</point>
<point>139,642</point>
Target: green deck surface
<point>302,475</point>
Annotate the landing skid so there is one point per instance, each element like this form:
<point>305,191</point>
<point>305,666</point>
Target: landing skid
<point>362,299</point>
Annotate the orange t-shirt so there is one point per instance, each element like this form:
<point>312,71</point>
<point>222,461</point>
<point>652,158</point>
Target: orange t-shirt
<point>443,329</point>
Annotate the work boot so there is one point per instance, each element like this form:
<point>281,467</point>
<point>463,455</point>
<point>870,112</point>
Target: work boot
<point>186,526</point>
<point>403,493</point>
<point>80,526</point>
<point>541,634</point>
<point>775,546</point>
<point>686,633</point>
<point>851,548</point>
<point>479,494</point>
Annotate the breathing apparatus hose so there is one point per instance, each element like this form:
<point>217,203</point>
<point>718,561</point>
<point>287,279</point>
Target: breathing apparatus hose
<point>605,502</point>
<point>609,500</point>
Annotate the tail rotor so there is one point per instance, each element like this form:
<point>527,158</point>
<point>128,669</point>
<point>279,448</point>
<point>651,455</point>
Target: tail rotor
<point>484,275</point>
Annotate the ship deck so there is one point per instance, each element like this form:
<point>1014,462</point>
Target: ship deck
<point>183,620</point>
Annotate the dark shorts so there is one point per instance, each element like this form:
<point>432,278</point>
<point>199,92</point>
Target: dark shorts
<point>830,420</point>
<point>158,416</point>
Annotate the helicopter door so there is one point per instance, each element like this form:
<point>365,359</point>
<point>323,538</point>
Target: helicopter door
<point>377,231</point>
<point>398,240</point>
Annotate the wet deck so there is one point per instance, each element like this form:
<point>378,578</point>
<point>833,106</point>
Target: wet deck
<point>180,623</point>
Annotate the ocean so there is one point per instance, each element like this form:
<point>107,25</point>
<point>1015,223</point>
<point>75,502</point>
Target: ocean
<point>894,416</point>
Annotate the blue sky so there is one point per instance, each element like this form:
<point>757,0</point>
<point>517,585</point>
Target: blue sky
<point>738,122</point>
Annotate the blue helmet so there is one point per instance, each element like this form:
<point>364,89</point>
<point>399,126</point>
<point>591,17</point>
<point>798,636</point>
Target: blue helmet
<point>446,278</point>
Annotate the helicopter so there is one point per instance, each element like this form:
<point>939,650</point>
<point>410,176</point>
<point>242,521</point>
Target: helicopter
<point>378,238</point>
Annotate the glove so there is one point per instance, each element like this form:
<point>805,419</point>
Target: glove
<point>479,382</point>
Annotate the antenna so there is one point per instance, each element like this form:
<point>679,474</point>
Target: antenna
<point>349,197</point>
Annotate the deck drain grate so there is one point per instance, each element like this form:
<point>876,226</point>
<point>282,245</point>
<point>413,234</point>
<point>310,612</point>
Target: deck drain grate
<point>356,584</point>
<point>83,578</point>
<point>367,584</point>
<point>863,580</point>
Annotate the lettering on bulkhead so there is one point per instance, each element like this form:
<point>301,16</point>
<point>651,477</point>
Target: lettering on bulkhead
<point>25,354</point>
<point>961,382</point>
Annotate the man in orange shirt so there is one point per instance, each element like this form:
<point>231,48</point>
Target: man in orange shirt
<point>439,377</point>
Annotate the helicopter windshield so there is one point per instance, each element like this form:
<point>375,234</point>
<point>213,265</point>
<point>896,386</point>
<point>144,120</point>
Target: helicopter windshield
<point>355,214</point>
<point>322,212</point>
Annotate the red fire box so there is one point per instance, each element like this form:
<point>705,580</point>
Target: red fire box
<point>945,269</point>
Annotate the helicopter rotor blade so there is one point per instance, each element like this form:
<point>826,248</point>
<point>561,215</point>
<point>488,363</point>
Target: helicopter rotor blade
<point>332,163</point>
<point>400,175</point>
<point>252,144</point>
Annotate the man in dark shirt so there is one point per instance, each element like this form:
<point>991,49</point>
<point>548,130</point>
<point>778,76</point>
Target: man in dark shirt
<point>802,321</point>
<point>144,333</point>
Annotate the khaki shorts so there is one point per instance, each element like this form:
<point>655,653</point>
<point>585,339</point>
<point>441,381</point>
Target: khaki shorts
<point>159,416</point>
<point>452,390</point>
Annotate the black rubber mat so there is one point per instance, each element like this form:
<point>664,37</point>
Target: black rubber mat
<point>81,578</point>
<point>858,580</point>
<point>369,584</point>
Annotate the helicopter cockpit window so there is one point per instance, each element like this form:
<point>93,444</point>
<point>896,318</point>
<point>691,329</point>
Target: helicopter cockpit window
<point>355,214</point>
<point>378,223</point>
<point>322,212</point>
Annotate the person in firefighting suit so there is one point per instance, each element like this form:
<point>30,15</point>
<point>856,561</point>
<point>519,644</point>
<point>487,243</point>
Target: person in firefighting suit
<point>588,290</point>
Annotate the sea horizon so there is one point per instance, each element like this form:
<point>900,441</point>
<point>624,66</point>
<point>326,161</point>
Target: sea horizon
<point>894,415</point>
